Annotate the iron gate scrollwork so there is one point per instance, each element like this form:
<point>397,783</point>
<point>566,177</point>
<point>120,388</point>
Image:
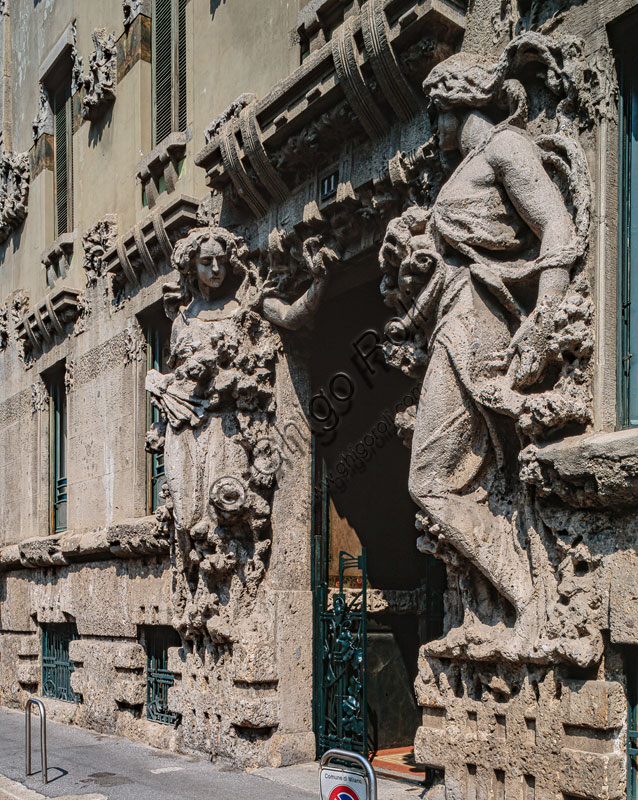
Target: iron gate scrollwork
<point>340,662</point>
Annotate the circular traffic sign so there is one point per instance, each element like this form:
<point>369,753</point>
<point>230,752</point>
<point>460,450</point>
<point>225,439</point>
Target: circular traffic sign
<point>343,793</point>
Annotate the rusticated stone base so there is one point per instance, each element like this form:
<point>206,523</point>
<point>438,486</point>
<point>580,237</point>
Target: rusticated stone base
<point>525,733</point>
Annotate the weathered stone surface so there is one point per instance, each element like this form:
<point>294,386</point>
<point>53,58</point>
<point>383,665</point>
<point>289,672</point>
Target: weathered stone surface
<point>100,83</point>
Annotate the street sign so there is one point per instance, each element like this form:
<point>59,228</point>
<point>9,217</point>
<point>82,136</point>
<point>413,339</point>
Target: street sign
<point>337,782</point>
<point>342,784</point>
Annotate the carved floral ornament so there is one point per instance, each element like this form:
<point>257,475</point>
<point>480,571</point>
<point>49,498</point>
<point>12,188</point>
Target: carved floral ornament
<point>99,84</point>
<point>15,174</point>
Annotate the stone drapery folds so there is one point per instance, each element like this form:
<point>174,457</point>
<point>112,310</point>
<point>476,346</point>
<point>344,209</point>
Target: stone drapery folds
<point>492,307</point>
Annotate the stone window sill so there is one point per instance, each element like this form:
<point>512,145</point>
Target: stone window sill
<point>56,258</point>
<point>160,169</point>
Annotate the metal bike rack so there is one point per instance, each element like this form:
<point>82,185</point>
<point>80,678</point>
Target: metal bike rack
<point>357,759</point>
<point>43,736</point>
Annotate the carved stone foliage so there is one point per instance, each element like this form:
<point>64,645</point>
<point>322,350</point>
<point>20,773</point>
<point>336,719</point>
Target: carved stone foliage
<point>96,241</point>
<point>218,408</point>
<point>493,309</point>
<point>99,84</point>
<point>77,63</point>
<point>133,8</point>
<point>43,121</point>
<point>39,396</point>
<point>14,190</point>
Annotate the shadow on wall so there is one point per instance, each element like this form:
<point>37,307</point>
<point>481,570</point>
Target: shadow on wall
<point>96,128</point>
<point>214,5</point>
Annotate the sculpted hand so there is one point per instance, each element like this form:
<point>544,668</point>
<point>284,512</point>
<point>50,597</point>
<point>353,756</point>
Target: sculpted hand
<point>528,352</point>
<point>315,256</point>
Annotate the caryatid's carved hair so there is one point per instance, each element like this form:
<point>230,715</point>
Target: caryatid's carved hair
<point>184,259</point>
<point>471,81</point>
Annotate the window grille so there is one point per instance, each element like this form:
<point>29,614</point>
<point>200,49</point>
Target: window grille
<point>169,68</point>
<point>628,273</point>
<point>157,639</point>
<point>56,665</point>
<point>57,452</point>
<point>157,352</point>
<point>63,149</point>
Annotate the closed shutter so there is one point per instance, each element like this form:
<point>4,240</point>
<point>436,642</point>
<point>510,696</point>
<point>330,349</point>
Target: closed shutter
<point>162,70</point>
<point>63,161</point>
<point>181,65</point>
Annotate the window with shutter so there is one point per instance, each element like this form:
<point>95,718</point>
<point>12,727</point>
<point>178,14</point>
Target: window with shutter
<point>63,174</point>
<point>169,68</point>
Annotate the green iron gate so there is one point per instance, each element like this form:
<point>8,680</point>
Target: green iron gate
<point>56,664</point>
<point>340,657</point>
<point>632,732</point>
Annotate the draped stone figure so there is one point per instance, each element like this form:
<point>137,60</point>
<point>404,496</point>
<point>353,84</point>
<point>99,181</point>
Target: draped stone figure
<point>218,404</point>
<point>490,298</point>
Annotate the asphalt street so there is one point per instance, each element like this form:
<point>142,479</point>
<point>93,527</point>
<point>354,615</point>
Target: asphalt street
<point>87,764</point>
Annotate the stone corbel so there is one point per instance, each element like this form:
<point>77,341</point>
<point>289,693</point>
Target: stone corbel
<point>149,244</point>
<point>162,162</point>
<point>48,320</point>
<point>56,258</point>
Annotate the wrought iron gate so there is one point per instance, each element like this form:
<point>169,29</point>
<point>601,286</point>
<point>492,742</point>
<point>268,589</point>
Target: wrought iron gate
<point>340,658</point>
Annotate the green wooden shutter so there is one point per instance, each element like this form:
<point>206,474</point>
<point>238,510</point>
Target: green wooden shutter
<point>162,69</point>
<point>181,65</point>
<point>63,161</point>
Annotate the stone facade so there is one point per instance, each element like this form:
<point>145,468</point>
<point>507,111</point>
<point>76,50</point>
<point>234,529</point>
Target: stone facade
<point>464,158</point>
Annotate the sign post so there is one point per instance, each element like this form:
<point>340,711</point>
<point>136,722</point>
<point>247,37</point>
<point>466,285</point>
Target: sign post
<point>338,782</point>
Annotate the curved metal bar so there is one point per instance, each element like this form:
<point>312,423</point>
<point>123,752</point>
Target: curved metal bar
<point>346,755</point>
<point>43,736</point>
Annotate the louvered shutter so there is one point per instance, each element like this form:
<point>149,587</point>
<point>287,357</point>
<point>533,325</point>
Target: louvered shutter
<point>181,65</point>
<point>162,70</point>
<point>63,161</point>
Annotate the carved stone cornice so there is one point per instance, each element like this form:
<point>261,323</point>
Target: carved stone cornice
<point>15,175</point>
<point>128,539</point>
<point>149,244</point>
<point>359,77</point>
<point>49,320</point>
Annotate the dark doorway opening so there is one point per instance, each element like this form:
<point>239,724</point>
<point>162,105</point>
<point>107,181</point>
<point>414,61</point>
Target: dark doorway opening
<point>362,501</point>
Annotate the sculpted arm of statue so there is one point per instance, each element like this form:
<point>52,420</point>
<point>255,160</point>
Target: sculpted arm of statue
<point>293,316</point>
<point>518,167</point>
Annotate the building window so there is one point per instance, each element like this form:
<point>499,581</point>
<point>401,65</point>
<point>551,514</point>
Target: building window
<point>156,640</point>
<point>169,68</point>
<point>628,272</point>
<point>632,726</point>
<point>57,451</point>
<point>56,665</point>
<point>157,352</point>
<point>63,158</point>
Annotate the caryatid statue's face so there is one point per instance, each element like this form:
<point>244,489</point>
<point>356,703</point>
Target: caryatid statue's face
<point>211,265</point>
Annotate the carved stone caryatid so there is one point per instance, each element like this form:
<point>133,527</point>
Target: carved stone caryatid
<point>100,82</point>
<point>218,405</point>
<point>96,241</point>
<point>493,308</point>
<point>15,175</point>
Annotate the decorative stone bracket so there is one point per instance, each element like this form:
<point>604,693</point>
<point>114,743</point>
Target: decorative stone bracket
<point>133,8</point>
<point>15,174</point>
<point>162,165</point>
<point>363,66</point>
<point>150,242</point>
<point>51,318</point>
<point>56,258</point>
<point>101,81</point>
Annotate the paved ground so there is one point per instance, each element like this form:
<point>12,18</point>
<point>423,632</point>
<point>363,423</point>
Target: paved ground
<point>96,767</point>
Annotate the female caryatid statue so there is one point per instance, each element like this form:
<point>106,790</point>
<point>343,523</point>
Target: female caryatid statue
<point>484,284</point>
<point>218,405</point>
